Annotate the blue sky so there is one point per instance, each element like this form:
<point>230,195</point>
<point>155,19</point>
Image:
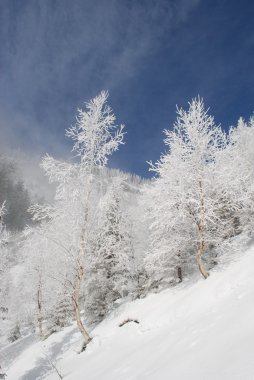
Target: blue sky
<point>149,54</point>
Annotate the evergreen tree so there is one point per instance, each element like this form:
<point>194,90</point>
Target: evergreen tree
<point>111,274</point>
<point>15,195</point>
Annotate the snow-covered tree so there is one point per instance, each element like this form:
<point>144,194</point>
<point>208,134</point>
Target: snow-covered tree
<point>4,235</point>
<point>95,137</point>
<point>4,267</point>
<point>185,196</point>
<point>234,187</point>
<point>63,311</point>
<point>170,240</point>
<point>112,262</point>
<point>31,283</point>
<point>14,333</point>
<point>15,195</point>
<point>240,175</point>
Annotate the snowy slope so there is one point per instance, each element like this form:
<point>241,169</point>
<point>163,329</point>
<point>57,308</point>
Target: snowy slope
<point>201,331</point>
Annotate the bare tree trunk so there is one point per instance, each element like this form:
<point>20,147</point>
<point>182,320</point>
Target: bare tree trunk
<point>75,298</point>
<point>201,230</point>
<point>39,307</point>
<point>80,269</point>
<point>179,267</point>
<point>180,274</point>
<point>79,277</point>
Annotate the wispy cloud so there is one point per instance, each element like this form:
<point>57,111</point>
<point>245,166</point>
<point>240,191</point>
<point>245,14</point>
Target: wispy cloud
<point>54,54</point>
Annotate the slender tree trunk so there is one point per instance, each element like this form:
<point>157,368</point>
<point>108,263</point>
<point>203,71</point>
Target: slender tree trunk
<point>180,274</point>
<point>75,298</point>
<point>39,309</point>
<point>179,268</point>
<point>79,278</point>
<point>201,230</point>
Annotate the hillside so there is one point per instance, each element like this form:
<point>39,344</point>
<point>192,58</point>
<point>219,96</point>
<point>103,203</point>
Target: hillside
<point>201,330</point>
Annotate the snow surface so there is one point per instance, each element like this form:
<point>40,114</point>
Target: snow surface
<point>200,331</point>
